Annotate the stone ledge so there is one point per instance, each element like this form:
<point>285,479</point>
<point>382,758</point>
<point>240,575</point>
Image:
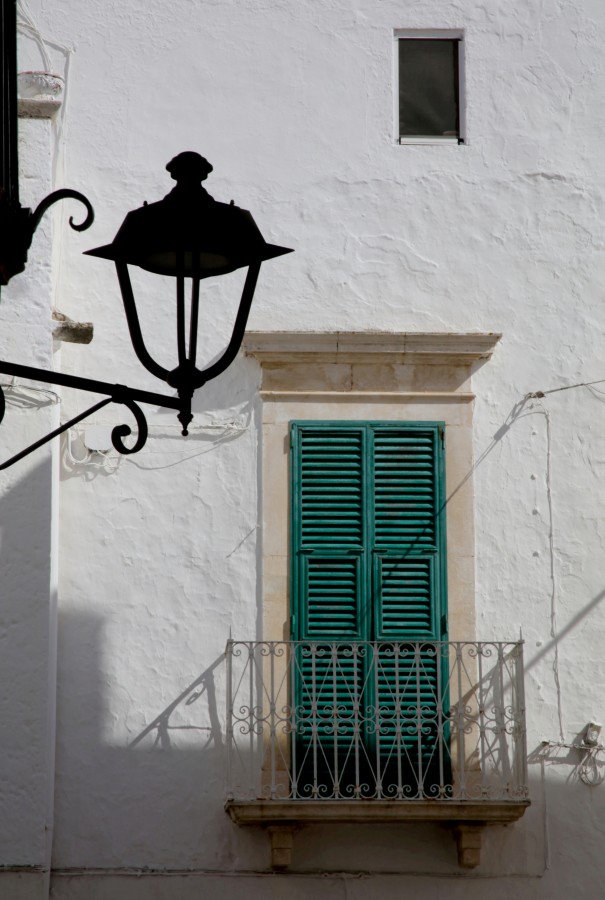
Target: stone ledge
<point>467,818</point>
<point>278,812</point>
<point>37,107</point>
<point>366,396</point>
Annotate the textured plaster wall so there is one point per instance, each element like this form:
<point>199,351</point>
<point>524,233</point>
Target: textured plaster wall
<point>293,104</point>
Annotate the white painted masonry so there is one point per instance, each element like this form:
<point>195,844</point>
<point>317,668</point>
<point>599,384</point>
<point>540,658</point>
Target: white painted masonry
<point>159,555</point>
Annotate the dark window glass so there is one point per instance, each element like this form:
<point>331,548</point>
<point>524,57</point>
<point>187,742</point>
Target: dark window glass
<point>428,88</point>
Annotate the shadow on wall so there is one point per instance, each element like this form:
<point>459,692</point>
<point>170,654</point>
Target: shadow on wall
<point>25,560</point>
<point>160,728</point>
<point>158,799</point>
<point>156,802</point>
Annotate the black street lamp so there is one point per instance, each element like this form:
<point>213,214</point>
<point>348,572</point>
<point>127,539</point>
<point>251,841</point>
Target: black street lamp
<point>189,236</point>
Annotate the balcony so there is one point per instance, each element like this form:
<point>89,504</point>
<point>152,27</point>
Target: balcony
<point>383,731</point>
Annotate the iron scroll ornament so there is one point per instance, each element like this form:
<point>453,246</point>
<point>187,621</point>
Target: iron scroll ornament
<point>18,225</point>
<point>64,194</point>
<point>117,434</point>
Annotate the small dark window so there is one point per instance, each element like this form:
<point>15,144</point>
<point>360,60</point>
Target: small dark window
<point>429,88</point>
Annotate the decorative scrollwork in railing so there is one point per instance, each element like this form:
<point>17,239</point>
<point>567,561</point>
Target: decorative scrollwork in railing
<point>376,720</point>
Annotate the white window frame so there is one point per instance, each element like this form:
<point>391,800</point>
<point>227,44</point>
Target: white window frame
<point>432,34</point>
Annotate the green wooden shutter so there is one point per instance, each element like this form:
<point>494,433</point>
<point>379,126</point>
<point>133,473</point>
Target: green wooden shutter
<point>367,500</point>
<point>406,533</point>
<point>408,587</point>
<point>329,532</point>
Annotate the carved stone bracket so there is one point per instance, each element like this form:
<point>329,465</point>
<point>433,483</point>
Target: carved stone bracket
<point>468,843</point>
<point>282,842</point>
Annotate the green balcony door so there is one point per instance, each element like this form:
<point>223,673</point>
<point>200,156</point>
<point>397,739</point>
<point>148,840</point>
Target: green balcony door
<point>368,564</point>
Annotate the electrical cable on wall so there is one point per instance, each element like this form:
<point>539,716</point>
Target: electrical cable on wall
<point>17,391</point>
<point>95,459</point>
<point>553,579</point>
<point>588,767</point>
<point>109,461</point>
<point>538,395</point>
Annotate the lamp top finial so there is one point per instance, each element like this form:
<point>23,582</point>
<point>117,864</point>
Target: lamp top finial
<point>189,166</point>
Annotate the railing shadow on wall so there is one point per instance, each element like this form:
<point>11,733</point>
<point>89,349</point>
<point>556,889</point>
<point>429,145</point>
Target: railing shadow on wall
<point>203,687</point>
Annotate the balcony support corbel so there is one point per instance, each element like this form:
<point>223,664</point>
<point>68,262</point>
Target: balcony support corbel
<point>468,843</point>
<point>282,841</point>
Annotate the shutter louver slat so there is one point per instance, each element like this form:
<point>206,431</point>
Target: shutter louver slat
<point>404,488</point>
<point>405,597</point>
<point>332,597</point>
<point>331,523</point>
<point>331,489</point>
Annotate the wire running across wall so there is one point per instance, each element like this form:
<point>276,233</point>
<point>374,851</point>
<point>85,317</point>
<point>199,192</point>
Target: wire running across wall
<point>588,766</point>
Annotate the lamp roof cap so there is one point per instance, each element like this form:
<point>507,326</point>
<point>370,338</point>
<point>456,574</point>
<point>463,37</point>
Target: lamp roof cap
<point>188,232</point>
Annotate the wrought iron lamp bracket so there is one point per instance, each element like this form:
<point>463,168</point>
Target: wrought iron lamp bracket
<point>64,194</point>
<point>118,393</point>
<point>18,225</point>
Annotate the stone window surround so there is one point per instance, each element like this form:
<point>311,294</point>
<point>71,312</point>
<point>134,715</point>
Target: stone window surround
<point>368,376</point>
<point>387,376</point>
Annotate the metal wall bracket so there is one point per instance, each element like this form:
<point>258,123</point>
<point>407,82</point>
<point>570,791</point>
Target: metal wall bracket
<point>116,393</point>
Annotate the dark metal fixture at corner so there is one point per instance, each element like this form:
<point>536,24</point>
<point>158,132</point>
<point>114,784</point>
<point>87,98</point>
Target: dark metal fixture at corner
<point>18,223</point>
<point>188,235</point>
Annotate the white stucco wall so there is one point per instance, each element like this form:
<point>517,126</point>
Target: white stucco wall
<point>293,105</point>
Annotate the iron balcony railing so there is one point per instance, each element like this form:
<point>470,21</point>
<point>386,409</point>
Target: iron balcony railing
<point>312,720</point>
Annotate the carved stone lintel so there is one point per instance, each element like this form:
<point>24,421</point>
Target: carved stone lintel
<point>282,841</point>
<point>468,842</point>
